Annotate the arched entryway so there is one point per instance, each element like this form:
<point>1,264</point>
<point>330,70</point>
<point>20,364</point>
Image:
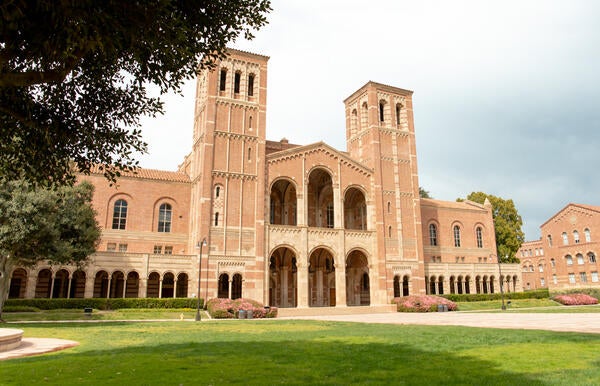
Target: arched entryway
<point>182,285</point>
<point>283,278</point>
<point>60,289</point>
<point>78,284</point>
<point>405,285</point>
<point>236,286</point>
<point>320,199</point>
<point>43,284</point>
<point>321,279</point>
<point>153,287</point>
<point>283,203</point>
<point>117,284</point>
<point>18,284</point>
<point>168,286</point>
<point>355,209</point>
<point>101,284</point>
<point>223,286</point>
<point>396,286</point>
<point>358,287</point>
<point>132,285</point>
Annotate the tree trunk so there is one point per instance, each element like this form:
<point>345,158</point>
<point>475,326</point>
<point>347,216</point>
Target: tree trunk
<point>5,268</point>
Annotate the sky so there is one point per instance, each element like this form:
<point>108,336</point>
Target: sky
<point>506,93</point>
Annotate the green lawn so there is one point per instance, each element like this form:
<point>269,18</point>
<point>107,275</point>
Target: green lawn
<point>269,352</point>
<point>123,314</point>
<point>526,305</point>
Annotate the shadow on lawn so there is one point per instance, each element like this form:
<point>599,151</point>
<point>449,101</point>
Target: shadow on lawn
<point>288,362</point>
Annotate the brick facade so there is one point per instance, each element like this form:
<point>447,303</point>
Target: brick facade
<point>289,225</point>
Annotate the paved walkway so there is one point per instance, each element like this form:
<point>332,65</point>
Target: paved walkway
<point>576,322</point>
<point>588,323</point>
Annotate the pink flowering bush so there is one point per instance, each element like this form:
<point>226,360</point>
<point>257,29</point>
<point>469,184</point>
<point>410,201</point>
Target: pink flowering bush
<point>219,308</point>
<point>575,299</point>
<point>422,303</point>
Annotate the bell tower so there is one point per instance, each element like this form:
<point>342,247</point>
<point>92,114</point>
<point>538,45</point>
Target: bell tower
<point>380,134</point>
<point>227,171</point>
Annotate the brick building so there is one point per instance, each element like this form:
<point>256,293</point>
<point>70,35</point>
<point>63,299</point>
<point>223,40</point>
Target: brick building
<point>289,225</point>
<point>566,254</point>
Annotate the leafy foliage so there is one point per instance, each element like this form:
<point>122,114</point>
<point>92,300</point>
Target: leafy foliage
<point>537,294</point>
<point>424,193</point>
<point>576,299</point>
<point>102,303</point>
<point>422,303</point>
<point>219,308</point>
<point>507,223</point>
<point>73,75</point>
<point>57,225</point>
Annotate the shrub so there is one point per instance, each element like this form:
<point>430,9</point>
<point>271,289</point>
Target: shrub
<point>593,292</point>
<point>219,308</point>
<point>103,303</point>
<point>422,303</point>
<point>20,309</point>
<point>576,299</point>
<point>536,294</point>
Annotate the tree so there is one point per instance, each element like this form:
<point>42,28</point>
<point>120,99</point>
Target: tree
<point>424,193</point>
<point>73,75</point>
<point>54,225</point>
<point>507,223</point>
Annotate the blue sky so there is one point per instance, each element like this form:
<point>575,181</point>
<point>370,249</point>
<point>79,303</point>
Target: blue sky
<point>506,93</point>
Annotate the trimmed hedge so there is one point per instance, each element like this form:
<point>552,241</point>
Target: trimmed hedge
<point>593,292</point>
<point>537,294</point>
<point>104,304</point>
<point>422,303</point>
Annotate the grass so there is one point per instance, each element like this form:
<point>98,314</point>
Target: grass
<point>515,304</point>
<point>122,314</point>
<point>269,352</point>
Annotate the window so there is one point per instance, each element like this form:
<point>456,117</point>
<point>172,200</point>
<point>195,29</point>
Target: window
<point>569,260</point>
<point>595,276</point>
<point>432,234</point>
<point>572,278</point>
<point>164,218</point>
<point>537,252</point>
<point>249,153</point>
<point>251,85</point>
<point>456,236</point>
<point>549,240</point>
<point>398,113</point>
<point>217,191</point>
<point>381,111</point>
<point>540,267</point>
<point>553,262</point>
<point>542,251</point>
<point>579,259</point>
<point>223,79</point>
<point>390,232</point>
<point>389,206</point>
<point>217,219</point>
<point>236,82</point>
<point>111,247</point>
<point>583,277</point>
<point>122,247</point>
<point>554,279</point>
<point>587,235</point>
<point>329,215</point>
<point>479,235</point>
<point>591,257</point>
<point>576,237</point>
<point>250,123</point>
<point>168,250</point>
<point>542,282</point>
<point>157,249</point>
<point>565,239</point>
<point>119,214</point>
<point>531,268</point>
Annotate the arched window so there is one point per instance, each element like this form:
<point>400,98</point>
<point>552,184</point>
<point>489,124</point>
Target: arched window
<point>390,231</point>
<point>236,82</point>
<point>249,153</point>
<point>119,214</point>
<point>549,240</point>
<point>588,235</point>
<point>432,234</point>
<point>398,109</point>
<point>381,111</point>
<point>251,85</point>
<point>164,218</point>
<point>250,122</point>
<point>217,219</point>
<point>353,122</point>
<point>223,79</point>
<point>579,259</point>
<point>591,257</point>
<point>576,237</point>
<point>389,207</point>
<point>479,235</point>
<point>569,260</point>
<point>217,191</point>
<point>565,238</point>
<point>553,262</point>
<point>456,236</point>
<point>540,267</point>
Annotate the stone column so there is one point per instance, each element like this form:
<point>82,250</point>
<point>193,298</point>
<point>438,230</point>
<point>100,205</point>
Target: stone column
<point>302,283</point>
<point>124,286</point>
<point>89,285</point>
<point>230,286</point>
<point>160,288</point>
<point>284,287</point>
<point>340,285</point>
<point>109,286</point>
<point>143,285</point>
<point>69,287</point>
<point>52,277</point>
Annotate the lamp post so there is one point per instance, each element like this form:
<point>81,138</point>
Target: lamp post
<point>500,281</point>
<point>199,245</point>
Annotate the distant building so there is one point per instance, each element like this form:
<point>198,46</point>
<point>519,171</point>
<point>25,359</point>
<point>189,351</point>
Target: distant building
<point>285,224</point>
<point>566,255</point>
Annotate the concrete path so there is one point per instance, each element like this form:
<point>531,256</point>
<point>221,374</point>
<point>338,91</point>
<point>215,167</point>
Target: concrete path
<point>34,346</point>
<point>589,323</point>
